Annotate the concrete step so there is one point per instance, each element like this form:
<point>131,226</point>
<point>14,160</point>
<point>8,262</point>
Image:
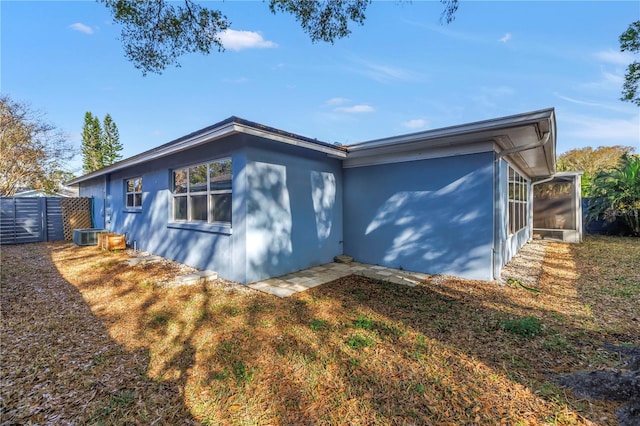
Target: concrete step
<point>343,258</point>
<point>195,278</point>
<point>142,260</point>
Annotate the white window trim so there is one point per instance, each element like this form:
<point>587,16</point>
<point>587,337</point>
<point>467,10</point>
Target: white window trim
<point>190,223</point>
<point>522,203</point>
<point>134,192</point>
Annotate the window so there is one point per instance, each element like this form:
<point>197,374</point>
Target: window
<point>133,193</point>
<point>518,201</point>
<point>202,193</point>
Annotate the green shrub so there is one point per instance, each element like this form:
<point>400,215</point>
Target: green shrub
<point>526,326</point>
<point>616,194</point>
<point>358,341</point>
<point>317,324</point>
<point>242,372</point>
<point>364,323</point>
<point>557,342</point>
<point>159,318</point>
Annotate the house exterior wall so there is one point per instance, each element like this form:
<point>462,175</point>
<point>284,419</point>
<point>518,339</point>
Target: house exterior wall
<point>286,214</point>
<point>435,201</point>
<point>202,246</point>
<point>294,209</point>
<point>434,216</point>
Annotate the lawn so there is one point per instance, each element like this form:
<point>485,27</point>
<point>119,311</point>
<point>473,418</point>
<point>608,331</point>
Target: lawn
<point>88,340</point>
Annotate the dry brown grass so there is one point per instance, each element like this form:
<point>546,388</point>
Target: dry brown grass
<point>87,339</point>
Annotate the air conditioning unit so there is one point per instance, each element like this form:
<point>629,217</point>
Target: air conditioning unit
<point>87,236</point>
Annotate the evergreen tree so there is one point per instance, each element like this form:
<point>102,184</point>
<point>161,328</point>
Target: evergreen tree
<point>100,144</point>
<point>110,145</point>
<point>91,138</point>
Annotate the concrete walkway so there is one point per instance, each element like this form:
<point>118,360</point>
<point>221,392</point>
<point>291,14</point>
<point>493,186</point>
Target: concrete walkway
<point>287,285</point>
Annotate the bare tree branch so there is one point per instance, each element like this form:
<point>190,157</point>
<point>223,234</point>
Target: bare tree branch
<point>155,33</point>
<point>33,152</point>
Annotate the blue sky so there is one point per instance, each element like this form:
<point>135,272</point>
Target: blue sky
<point>401,72</point>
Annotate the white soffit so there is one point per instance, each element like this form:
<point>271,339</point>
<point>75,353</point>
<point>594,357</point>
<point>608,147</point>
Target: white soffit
<point>507,133</point>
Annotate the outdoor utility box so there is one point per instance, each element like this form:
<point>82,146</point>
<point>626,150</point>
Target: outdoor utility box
<point>112,242</point>
<point>86,236</point>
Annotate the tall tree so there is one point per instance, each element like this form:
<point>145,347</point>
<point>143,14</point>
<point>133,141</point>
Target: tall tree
<point>100,143</point>
<point>155,32</point>
<point>592,161</point>
<point>111,146</point>
<point>630,42</point>
<point>91,143</point>
<point>32,151</point>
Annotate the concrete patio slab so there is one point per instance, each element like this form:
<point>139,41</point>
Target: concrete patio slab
<point>289,284</point>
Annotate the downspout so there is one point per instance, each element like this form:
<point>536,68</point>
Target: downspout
<point>495,271</point>
<point>541,142</point>
<point>92,207</point>
<point>107,204</point>
<point>543,180</point>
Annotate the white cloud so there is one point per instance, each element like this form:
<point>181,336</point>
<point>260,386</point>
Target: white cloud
<point>619,107</point>
<point>614,57</point>
<point>505,38</point>
<point>577,101</point>
<point>446,31</point>
<point>608,81</point>
<point>416,123</point>
<point>492,96</point>
<point>388,72</point>
<point>79,26</point>
<point>356,109</point>
<point>383,73</point>
<point>336,101</point>
<point>239,40</point>
<point>607,130</point>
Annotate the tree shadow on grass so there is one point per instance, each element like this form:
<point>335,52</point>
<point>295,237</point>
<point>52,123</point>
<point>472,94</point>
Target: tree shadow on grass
<point>353,351</point>
<point>471,330</point>
<point>59,363</point>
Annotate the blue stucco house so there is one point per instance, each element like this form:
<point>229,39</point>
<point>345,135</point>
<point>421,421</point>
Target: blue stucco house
<point>253,202</point>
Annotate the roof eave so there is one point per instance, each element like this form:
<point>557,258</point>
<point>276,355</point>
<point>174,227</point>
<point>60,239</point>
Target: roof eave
<point>223,129</point>
<point>291,140</point>
<point>226,129</point>
<point>458,131</point>
<point>515,133</point>
<point>538,159</point>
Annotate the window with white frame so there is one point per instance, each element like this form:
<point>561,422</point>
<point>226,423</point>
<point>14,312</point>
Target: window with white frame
<point>133,193</point>
<point>202,193</point>
<point>518,201</point>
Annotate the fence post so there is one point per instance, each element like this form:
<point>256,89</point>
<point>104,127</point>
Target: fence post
<point>42,201</point>
<point>15,218</point>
